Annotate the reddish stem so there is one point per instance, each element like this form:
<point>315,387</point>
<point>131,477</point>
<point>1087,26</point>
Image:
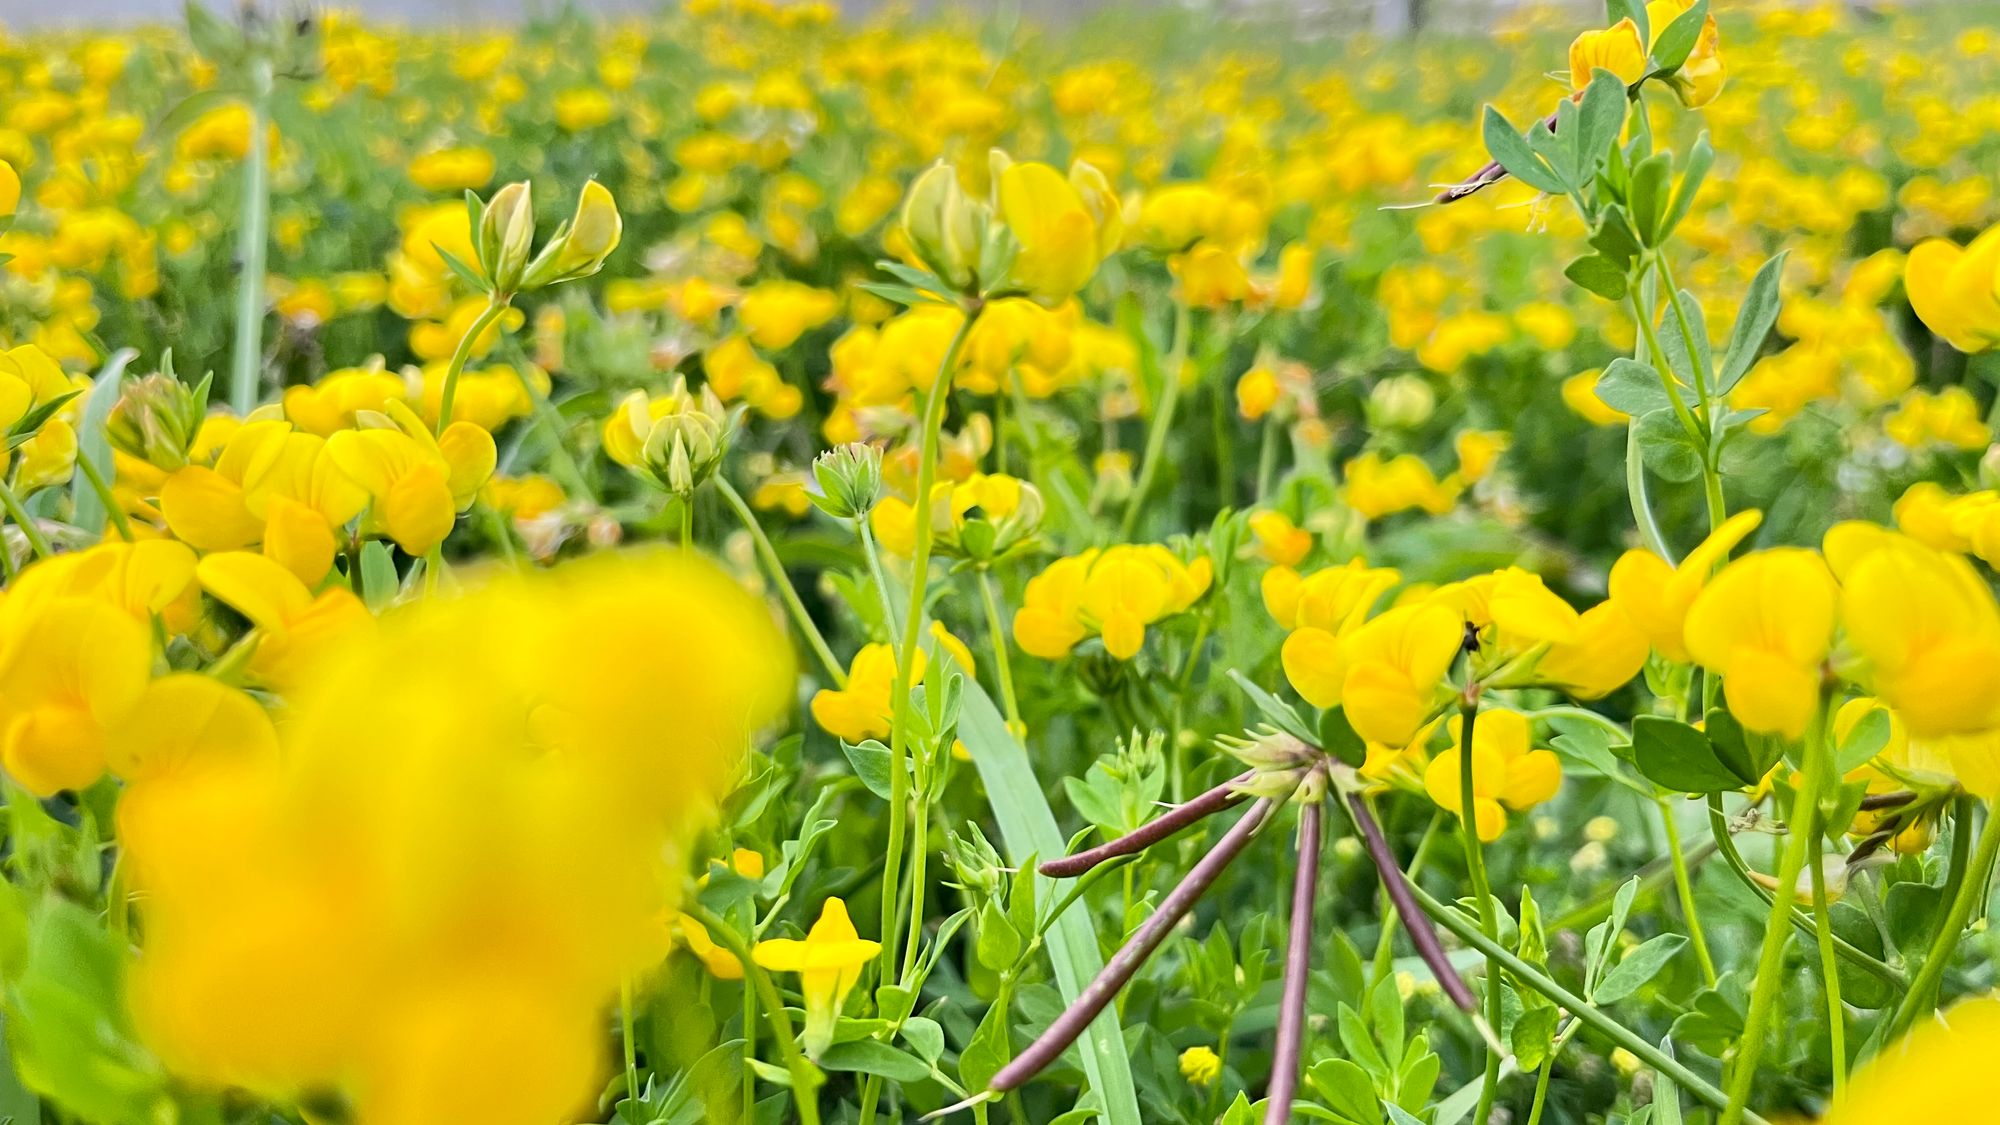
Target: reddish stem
<point>1140,946</point>
<point>1298,962</point>
<point>1151,832</point>
<point>1422,934</point>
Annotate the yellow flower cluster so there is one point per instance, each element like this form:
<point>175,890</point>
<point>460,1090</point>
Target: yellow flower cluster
<point>1113,594</point>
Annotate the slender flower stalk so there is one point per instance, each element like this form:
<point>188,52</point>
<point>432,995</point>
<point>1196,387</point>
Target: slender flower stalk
<point>1829,964</point>
<point>1000,658</point>
<point>1163,420</point>
<point>1153,831</point>
<point>495,305</point>
<point>1475,865</point>
<point>1298,961</point>
<point>30,530</point>
<point>906,651</point>
<point>768,555</point>
<point>1133,954</point>
<point>251,245</point>
<point>1923,990</point>
<point>1684,887</point>
<point>102,487</point>
<point>806,1078</point>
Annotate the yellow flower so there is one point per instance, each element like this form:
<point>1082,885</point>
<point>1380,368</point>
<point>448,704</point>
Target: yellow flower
<point>270,484</point>
<point>1616,49</point>
<point>293,627</point>
<point>416,484</point>
<point>1956,291</point>
<point>1922,628</point>
<point>829,963</point>
<point>581,109</point>
<point>1064,227</point>
<point>776,312</point>
<point>1115,593</point>
<point>1579,393</point>
<point>1256,393</point>
<point>1941,1071</point>
<point>10,189</point>
<point>72,665</point>
<point>1607,650</point>
<point>47,459</point>
<point>1701,76</point>
<point>865,707</point>
<point>457,854</point>
<point>1765,624</point>
<point>1384,674</point>
<point>1201,1066</point>
<point>1334,600</point>
<point>1279,539</point>
<point>1948,417</point>
<point>1378,488</point>
<point>330,405</point>
<point>453,169</point>
<point>1656,595</point>
<point>1505,772</point>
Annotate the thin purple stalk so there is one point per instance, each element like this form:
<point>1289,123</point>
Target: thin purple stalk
<point>1418,924</point>
<point>1151,832</point>
<point>1298,961</point>
<point>1140,946</point>
<point>1490,173</point>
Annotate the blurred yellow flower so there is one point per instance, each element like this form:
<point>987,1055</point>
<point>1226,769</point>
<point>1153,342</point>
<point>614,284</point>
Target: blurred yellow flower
<point>1506,772</point>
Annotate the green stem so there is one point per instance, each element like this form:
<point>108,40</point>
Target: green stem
<point>1475,866</point>
<point>1176,767</point>
<point>1711,479</point>
<point>102,487</point>
<point>630,1040</point>
<point>37,542</point>
<point>1163,420</point>
<point>768,555</point>
<point>1267,457</point>
<point>906,653</point>
<point>495,305</point>
<point>1635,488</point>
<point>1923,990</point>
<point>1829,962</point>
<point>749,1052</point>
<point>873,554</point>
<point>251,246</point>
<point>806,1078</point>
<point>1770,959</point>
<point>1000,658</point>
<point>1463,928</point>
<point>919,859</point>
<point>687,524</point>
<point>1725,843</point>
<point>1684,887</point>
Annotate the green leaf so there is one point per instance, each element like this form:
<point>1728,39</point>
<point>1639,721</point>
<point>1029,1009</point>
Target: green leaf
<point>873,764</point>
<point>1347,1090</point>
<point>87,511</point>
<point>925,1037</point>
<point>1632,387</point>
<point>1614,239</point>
<point>1666,1096</point>
<point>1637,967</point>
<point>1600,118</point>
<point>1028,827</point>
<point>1634,10</point>
<point>1338,737</point>
<point>1385,1014</point>
<point>1864,740</point>
<point>1279,713</point>
<point>1511,150</point>
<point>1701,157</point>
<point>1676,756</point>
<point>872,1056</point>
<point>1675,43</point>
<point>987,1051</point>
<point>378,575</point>
<point>1533,1035</point>
<point>999,943</point>
<point>1753,323</point>
<point>1670,451</point>
<point>1600,275</point>
<point>1649,197</point>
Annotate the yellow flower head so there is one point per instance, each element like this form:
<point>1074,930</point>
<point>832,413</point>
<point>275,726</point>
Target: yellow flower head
<point>1656,595</point>
<point>416,484</point>
<point>1765,625</point>
<point>1114,593</point>
<point>829,962</point>
<point>1506,773</point>
<point>1956,290</point>
<point>1616,49</point>
<point>1201,1066</point>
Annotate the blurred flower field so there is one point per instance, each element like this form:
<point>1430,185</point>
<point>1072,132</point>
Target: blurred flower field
<point>760,566</point>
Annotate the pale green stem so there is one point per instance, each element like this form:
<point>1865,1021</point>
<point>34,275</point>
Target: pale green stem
<point>37,542</point>
<point>1770,959</point>
<point>1464,930</point>
<point>251,246</point>
<point>630,1040</point>
<point>495,305</point>
<point>1684,887</point>
<point>1163,420</point>
<point>102,487</point>
<point>1829,964</point>
<point>1000,658</point>
<point>906,653</point>
<point>768,555</point>
<point>1923,989</point>
<point>1267,457</point>
<point>806,1078</point>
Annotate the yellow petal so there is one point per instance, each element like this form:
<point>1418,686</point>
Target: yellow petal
<point>260,589</point>
<point>205,510</point>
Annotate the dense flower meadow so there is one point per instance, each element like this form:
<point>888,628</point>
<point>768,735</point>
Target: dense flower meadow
<point>758,566</point>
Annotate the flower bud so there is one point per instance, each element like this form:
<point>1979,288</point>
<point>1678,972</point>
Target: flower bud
<point>580,247</point>
<point>1401,401</point>
<point>848,479</point>
<point>507,235</point>
<point>943,226</point>
<point>156,420</point>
